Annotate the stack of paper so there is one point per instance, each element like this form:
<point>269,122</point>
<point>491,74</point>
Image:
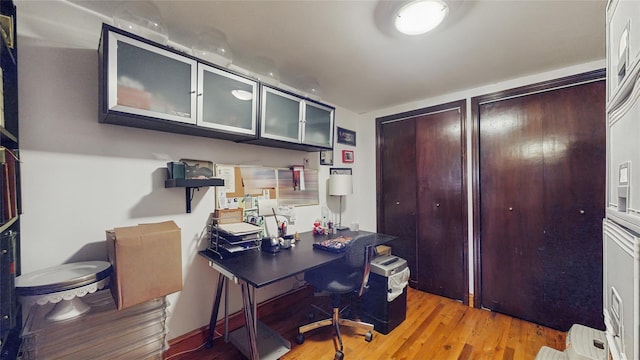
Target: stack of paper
<point>241,228</point>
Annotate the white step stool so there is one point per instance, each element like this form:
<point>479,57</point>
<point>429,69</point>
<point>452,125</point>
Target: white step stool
<point>583,343</point>
<point>547,353</point>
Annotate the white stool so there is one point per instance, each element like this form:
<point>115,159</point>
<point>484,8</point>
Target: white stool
<point>585,343</point>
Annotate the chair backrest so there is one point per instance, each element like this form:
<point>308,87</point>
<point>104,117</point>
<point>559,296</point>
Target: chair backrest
<point>356,250</point>
<point>358,254</point>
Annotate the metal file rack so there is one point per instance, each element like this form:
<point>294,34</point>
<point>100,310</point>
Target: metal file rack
<point>220,244</point>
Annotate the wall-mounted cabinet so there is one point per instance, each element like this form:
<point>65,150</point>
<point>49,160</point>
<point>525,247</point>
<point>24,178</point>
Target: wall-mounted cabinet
<point>291,121</point>
<point>146,80</point>
<point>226,102</point>
<point>148,85</point>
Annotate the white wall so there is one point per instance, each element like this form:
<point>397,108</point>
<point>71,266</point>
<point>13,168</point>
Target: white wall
<point>80,177</point>
<point>366,208</point>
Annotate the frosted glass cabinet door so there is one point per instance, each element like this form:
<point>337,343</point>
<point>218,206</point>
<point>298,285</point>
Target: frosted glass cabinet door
<point>281,115</point>
<point>149,81</point>
<point>226,101</point>
<point>318,125</point>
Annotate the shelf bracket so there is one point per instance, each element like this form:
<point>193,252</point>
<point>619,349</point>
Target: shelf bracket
<point>189,192</point>
<point>191,185</point>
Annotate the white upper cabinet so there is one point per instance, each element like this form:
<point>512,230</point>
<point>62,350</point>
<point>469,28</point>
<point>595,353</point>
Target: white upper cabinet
<point>226,101</point>
<point>281,115</point>
<point>148,85</point>
<point>318,125</point>
<point>291,119</point>
<point>148,81</point>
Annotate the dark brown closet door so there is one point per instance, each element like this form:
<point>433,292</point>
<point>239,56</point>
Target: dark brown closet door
<point>542,172</point>
<point>397,188</point>
<point>574,198</point>
<point>441,205</point>
<point>422,195</point>
<point>511,205</point>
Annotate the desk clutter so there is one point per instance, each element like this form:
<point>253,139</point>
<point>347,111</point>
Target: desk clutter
<point>229,236</point>
<point>138,332</point>
<point>336,245</point>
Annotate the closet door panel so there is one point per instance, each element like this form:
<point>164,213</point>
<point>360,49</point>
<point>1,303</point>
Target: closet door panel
<point>441,206</point>
<point>542,178</point>
<point>511,174</point>
<point>398,188</point>
<point>574,196</point>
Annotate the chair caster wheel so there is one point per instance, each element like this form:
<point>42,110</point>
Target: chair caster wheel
<point>368,336</point>
<point>339,355</point>
<point>299,339</point>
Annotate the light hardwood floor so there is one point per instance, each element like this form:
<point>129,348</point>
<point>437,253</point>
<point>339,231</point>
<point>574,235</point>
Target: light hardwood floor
<point>435,328</point>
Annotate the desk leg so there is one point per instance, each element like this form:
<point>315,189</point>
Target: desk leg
<point>226,314</point>
<point>249,322</point>
<point>214,311</point>
<point>255,308</point>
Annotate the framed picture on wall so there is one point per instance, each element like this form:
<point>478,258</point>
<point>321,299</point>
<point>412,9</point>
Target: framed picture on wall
<point>345,136</point>
<point>347,156</point>
<point>340,171</point>
<point>326,157</point>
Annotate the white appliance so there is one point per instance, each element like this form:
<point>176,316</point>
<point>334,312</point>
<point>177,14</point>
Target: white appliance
<point>622,290</point>
<point>621,228</point>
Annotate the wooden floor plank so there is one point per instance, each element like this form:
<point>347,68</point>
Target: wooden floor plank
<point>435,328</point>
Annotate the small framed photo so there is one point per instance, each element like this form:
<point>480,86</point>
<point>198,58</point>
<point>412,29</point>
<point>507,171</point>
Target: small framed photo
<point>347,156</point>
<point>326,157</point>
<point>345,136</point>
<point>340,171</point>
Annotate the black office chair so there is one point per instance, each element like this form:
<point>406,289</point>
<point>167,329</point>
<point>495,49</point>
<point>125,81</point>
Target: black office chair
<point>350,275</point>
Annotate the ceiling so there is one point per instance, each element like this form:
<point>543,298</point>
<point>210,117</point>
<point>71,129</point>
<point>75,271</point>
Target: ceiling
<point>361,64</point>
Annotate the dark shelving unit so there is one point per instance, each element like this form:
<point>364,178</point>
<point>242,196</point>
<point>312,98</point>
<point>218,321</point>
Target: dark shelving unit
<point>10,200</point>
<point>190,185</point>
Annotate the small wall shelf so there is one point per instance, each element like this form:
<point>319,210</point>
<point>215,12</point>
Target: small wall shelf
<point>190,185</point>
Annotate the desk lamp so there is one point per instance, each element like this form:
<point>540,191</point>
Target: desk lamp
<point>340,185</point>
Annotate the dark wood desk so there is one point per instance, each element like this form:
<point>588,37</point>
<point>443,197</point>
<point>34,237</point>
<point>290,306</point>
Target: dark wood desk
<point>258,269</point>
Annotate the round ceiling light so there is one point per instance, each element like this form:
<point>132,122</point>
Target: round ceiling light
<point>420,16</point>
<point>242,95</point>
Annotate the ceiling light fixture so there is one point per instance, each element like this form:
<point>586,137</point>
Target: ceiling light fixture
<point>420,16</point>
<point>242,95</point>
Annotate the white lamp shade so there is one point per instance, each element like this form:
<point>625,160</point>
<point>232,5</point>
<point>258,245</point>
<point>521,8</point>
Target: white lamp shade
<point>340,184</point>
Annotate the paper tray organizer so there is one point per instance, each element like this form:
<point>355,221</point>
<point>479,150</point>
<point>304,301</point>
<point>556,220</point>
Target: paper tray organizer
<point>231,238</point>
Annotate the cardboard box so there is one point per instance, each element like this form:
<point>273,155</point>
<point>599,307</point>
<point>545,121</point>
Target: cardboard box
<point>147,262</point>
<point>227,216</point>
<point>383,250</point>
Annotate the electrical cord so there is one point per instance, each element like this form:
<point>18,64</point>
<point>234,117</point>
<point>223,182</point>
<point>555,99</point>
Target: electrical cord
<point>194,349</point>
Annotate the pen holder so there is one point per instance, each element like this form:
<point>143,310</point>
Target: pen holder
<point>286,241</point>
<point>282,230</point>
